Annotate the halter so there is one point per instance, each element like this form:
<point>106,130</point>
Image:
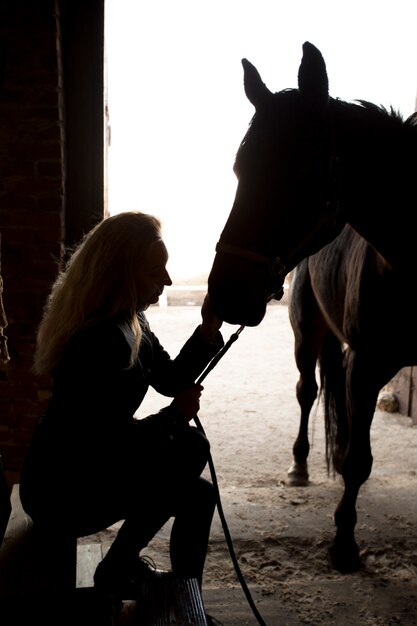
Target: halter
<point>274,264</point>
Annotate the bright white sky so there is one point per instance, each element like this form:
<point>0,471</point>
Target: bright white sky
<point>178,110</point>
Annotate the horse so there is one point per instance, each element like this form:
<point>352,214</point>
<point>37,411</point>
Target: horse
<point>326,195</point>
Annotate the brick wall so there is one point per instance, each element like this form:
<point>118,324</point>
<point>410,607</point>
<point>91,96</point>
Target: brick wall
<point>51,179</point>
<point>31,204</point>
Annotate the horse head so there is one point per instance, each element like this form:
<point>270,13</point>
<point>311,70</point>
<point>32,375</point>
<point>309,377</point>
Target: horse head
<point>285,206</point>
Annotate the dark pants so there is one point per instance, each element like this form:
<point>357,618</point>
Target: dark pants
<point>150,481</point>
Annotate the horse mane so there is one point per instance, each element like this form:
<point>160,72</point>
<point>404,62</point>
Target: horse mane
<point>379,108</point>
<point>383,127</point>
<point>410,121</point>
<point>379,111</point>
<point>381,116</point>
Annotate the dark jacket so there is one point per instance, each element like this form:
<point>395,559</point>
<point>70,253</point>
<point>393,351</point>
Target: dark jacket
<point>94,388</point>
<point>88,433</point>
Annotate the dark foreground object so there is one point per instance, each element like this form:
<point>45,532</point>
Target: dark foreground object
<point>46,580</point>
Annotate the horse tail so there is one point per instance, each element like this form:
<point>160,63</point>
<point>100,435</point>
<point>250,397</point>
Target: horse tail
<point>333,394</point>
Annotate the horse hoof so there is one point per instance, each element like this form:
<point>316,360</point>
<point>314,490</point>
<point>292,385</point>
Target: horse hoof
<point>343,560</point>
<point>297,475</point>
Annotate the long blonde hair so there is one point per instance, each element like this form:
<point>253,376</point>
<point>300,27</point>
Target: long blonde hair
<point>98,282</point>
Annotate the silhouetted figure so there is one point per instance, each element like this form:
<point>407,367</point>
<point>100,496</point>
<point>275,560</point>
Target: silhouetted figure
<point>101,464</point>
<point>319,181</point>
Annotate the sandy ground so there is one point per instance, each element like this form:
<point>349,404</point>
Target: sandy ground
<point>280,534</point>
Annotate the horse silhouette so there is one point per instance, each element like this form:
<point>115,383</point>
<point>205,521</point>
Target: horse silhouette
<point>327,192</point>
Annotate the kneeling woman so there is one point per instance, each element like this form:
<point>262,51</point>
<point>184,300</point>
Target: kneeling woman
<point>101,463</point>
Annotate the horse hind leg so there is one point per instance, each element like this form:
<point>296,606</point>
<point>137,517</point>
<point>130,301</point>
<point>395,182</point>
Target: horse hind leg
<point>307,349</point>
<point>309,330</point>
<point>306,392</point>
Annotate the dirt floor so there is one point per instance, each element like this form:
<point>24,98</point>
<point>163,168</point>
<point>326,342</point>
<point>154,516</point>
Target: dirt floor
<point>280,534</point>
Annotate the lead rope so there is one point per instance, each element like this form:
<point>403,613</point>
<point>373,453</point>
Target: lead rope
<point>227,535</point>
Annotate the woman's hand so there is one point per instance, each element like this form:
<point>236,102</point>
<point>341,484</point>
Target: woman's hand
<point>188,401</point>
<point>211,324</point>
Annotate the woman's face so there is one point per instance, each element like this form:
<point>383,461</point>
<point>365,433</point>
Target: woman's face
<point>153,276</point>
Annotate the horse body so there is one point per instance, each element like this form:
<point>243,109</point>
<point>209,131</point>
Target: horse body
<point>324,189</point>
<point>344,311</point>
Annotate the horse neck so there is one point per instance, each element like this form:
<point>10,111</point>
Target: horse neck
<point>376,185</point>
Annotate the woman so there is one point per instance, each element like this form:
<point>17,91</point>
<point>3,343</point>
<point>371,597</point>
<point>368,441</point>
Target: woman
<point>102,464</point>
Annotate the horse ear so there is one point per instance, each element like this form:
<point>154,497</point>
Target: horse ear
<point>255,90</point>
<point>313,83</point>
